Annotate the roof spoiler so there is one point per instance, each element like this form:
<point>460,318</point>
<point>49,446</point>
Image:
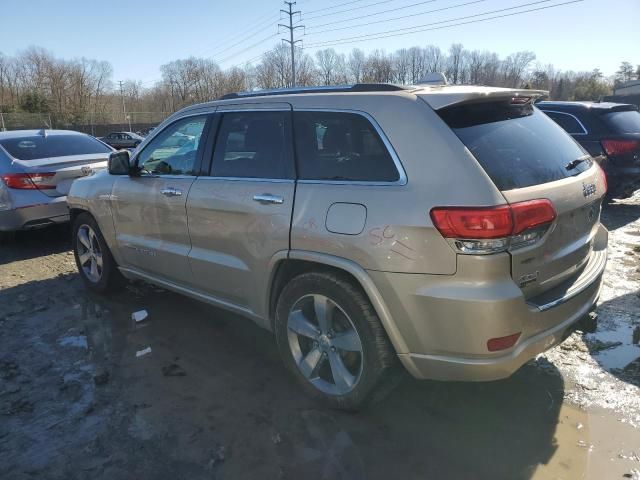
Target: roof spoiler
<point>448,98</point>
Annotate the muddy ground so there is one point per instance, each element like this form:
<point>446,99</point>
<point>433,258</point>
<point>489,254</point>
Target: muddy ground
<point>212,400</point>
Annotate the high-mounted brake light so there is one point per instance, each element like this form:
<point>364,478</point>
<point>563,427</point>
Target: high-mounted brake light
<point>492,229</point>
<point>620,147</point>
<point>27,181</point>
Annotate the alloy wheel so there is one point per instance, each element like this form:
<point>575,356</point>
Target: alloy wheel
<point>325,344</point>
<point>89,253</point>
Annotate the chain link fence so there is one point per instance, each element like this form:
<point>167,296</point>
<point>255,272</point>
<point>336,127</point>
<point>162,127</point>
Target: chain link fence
<point>98,124</point>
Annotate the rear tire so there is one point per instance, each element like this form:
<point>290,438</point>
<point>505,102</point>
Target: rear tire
<point>331,339</point>
<point>96,266</point>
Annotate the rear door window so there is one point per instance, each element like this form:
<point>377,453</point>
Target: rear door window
<point>341,146</point>
<point>50,146</point>
<point>623,122</point>
<point>517,145</point>
<point>253,145</point>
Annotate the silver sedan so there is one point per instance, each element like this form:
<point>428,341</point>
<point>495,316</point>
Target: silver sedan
<point>37,168</point>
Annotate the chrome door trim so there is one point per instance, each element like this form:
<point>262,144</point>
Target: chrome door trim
<point>248,179</point>
<point>402,175</point>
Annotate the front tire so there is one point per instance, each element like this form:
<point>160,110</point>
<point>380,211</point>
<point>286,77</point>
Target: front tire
<point>331,339</point>
<point>96,266</point>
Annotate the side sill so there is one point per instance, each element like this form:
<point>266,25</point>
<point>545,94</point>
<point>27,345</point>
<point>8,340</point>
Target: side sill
<point>132,273</point>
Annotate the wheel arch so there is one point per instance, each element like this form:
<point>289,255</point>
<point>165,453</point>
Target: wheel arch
<point>299,262</point>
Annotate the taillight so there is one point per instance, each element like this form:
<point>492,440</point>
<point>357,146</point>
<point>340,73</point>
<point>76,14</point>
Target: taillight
<point>620,147</point>
<point>494,229</point>
<point>27,181</point>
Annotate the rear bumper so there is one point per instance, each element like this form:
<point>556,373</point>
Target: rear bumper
<point>447,321</point>
<point>35,216</point>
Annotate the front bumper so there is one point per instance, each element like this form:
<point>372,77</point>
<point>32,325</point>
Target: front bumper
<point>446,322</point>
<point>35,216</point>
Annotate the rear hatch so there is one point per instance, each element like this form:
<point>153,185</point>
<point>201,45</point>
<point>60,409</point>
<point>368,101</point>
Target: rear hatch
<point>50,162</point>
<point>622,144</point>
<point>529,157</point>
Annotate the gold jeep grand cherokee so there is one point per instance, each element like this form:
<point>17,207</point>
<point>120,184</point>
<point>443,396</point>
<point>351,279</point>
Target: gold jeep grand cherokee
<point>453,230</point>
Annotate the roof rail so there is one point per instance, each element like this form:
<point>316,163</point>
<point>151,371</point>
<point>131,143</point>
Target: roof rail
<point>358,87</point>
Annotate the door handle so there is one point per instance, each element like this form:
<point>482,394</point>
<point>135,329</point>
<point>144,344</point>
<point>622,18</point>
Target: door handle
<point>268,198</point>
<point>171,192</point>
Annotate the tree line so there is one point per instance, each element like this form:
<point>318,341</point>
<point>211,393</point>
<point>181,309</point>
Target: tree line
<point>82,90</point>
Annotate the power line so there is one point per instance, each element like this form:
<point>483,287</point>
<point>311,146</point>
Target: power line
<point>348,9</point>
<point>335,6</point>
<point>291,41</point>
<point>250,47</point>
<point>389,33</point>
<point>220,52</point>
<point>233,39</point>
<point>386,19</point>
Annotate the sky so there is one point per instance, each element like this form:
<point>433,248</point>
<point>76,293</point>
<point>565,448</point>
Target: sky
<point>137,36</point>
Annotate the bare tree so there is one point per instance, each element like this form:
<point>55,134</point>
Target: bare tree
<point>355,64</point>
<point>328,63</point>
<point>514,67</point>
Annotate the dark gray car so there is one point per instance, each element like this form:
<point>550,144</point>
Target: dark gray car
<point>122,139</point>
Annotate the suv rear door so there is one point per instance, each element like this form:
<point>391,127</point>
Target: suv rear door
<point>240,214</point>
<point>529,157</point>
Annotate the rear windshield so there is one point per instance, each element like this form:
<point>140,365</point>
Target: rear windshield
<point>37,146</point>
<point>517,145</point>
<point>623,122</point>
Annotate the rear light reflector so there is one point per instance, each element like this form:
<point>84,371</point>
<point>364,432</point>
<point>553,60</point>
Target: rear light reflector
<point>492,229</point>
<point>27,181</point>
<point>502,343</point>
<point>620,147</point>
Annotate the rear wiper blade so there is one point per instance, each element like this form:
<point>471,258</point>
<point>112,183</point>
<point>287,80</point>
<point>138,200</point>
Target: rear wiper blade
<point>574,163</point>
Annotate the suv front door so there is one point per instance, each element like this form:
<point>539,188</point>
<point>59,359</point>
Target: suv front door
<point>239,215</point>
<point>149,210</point>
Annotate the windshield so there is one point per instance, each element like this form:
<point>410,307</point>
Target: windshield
<point>623,122</point>
<point>37,146</point>
<point>517,145</point>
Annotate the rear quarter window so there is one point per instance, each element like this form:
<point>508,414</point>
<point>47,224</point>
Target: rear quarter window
<point>38,146</point>
<point>517,145</point>
<point>341,146</point>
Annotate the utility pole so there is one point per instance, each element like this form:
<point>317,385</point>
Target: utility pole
<point>124,108</point>
<point>291,41</point>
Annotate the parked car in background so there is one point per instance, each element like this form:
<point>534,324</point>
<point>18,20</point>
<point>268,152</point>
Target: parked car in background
<point>610,132</point>
<point>455,230</point>
<point>120,140</point>
<point>36,172</point>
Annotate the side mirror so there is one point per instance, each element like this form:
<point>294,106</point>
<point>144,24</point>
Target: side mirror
<point>119,162</point>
